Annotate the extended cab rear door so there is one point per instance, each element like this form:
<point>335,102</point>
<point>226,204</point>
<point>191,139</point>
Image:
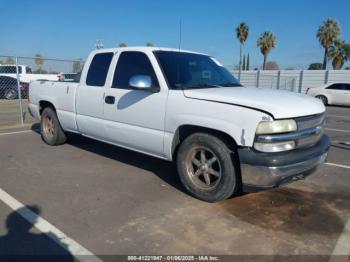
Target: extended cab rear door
<point>135,118</point>
<point>91,93</point>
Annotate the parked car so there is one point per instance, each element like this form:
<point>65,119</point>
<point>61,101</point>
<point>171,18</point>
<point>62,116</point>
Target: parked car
<point>69,77</point>
<point>332,94</point>
<point>9,89</point>
<point>186,107</point>
<point>25,73</point>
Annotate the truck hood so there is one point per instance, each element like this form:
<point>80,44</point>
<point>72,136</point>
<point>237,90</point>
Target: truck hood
<point>278,103</point>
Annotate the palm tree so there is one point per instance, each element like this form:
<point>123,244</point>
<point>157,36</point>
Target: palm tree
<point>149,44</point>
<point>243,64</point>
<point>242,32</point>
<point>122,44</point>
<point>39,61</point>
<point>327,34</point>
<point>338,53</point>
<point>247,65</point>
<point>347,49</point>
<point>266,42</point>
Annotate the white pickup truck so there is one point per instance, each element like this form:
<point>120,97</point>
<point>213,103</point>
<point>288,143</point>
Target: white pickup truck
<point>25,73</point>
<point>186,107</point>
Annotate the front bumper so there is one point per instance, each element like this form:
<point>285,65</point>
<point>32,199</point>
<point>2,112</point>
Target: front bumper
<point>267,170</point>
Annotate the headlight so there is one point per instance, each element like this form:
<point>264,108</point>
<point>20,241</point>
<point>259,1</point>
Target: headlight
<point>274,147</point>
<point>278,126</point>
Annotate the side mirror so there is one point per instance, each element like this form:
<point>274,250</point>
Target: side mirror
<point>142,82</point>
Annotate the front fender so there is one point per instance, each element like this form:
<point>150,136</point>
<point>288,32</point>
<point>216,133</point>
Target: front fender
<point>238,133</point>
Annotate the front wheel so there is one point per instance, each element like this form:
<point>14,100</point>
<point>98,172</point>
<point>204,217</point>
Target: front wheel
<point>206,168</point>
<point>51,130</point>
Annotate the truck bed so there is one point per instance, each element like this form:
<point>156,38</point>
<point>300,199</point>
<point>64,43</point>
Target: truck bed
<point>60,94</point>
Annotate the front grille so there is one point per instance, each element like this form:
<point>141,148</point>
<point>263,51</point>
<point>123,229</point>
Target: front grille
<point>310,122</point>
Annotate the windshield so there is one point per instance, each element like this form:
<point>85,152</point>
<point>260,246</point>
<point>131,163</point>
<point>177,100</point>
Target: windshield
<point>188,70</point>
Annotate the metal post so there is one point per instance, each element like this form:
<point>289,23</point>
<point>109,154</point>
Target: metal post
<point>257,78</point>
<point>326,77</point>
<point>19,92</point>
<point>301,81</point>
<point>278,79</point>
<point>293,84</point>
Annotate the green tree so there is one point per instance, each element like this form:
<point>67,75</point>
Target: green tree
<point>39,61</point>
<point>327,34</point>
<point>247,65</point>
<point>9,61</point>
<point>347,49</point>
<point>122,44</point>
<point>40,71</point>
<point>243,64</point>
<point>271,65</point>
<point>338,53</point>
<point>315,66</point>
<point>266,42</point>
<point>149,44</point>
<point>242,32</point>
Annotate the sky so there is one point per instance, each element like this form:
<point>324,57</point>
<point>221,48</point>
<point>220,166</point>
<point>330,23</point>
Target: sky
<point>69,29</point>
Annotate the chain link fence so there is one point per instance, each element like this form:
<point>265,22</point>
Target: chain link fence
<point>16,74</point>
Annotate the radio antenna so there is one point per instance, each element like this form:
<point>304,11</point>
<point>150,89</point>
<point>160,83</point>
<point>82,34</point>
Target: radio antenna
<point>178,56</point>
<point>180,33</point>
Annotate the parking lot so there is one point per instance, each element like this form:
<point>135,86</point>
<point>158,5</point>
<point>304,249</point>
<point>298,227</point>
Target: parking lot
<point>10,114</point>
<point>97,199</point>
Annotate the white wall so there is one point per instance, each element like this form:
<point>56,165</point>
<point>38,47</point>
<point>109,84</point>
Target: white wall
<point>293,80</point>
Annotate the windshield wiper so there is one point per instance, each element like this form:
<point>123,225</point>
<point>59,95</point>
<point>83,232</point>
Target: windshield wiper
<point>201,86</point>
<point>230,84</point>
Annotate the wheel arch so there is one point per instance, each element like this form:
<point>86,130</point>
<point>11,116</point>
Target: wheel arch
<point>44,104</point>
<point>183,131</point>
<point>328,97</point>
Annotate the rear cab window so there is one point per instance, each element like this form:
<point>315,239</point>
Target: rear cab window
<point>28,70</point>
<point>98,69</point>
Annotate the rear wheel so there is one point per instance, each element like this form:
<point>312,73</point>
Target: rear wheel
<point>323,99</point>
<point>206,168</point>
<point>10,94</point>
<point>51,130</point>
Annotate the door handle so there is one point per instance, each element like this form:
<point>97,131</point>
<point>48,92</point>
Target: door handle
<point>109,99</point>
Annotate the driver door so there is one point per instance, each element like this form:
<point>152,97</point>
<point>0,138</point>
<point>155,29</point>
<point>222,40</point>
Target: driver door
<point>135,118</point>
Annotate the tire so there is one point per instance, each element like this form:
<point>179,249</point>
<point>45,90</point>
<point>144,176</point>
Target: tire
<point>194,167</point>
<point>323,99</point>
<point>10,94</point>
<point>51,130</point>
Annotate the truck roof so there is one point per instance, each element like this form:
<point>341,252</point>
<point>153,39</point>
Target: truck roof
<point>10,65</point>
<point>143,49</point>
